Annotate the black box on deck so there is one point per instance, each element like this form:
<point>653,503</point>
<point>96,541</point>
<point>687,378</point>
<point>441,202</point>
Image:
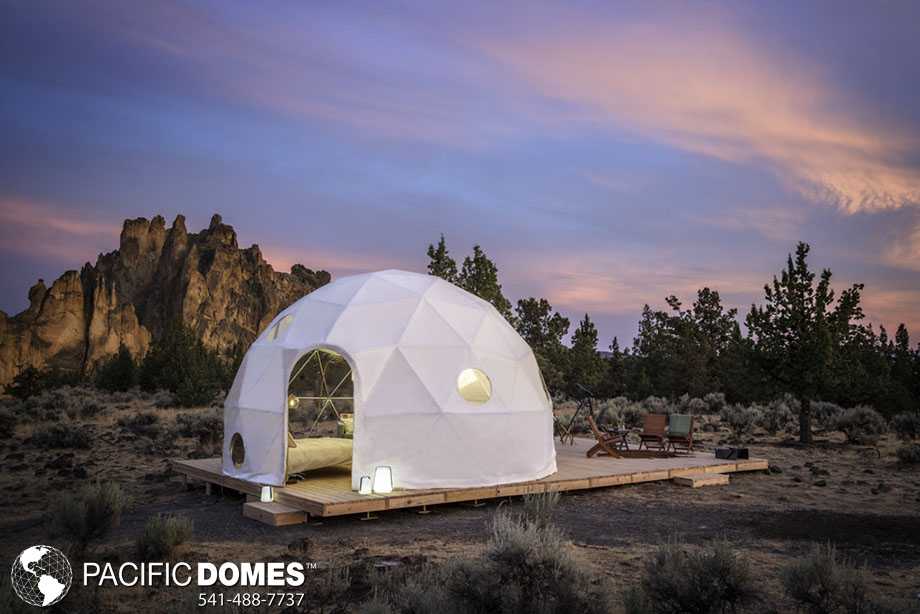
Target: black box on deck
<point>732,453</point>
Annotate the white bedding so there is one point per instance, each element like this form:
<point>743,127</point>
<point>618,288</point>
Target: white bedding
<point>318,452</point>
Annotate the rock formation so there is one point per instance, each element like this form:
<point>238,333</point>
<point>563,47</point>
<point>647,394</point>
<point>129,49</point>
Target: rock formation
<point>225,294</point>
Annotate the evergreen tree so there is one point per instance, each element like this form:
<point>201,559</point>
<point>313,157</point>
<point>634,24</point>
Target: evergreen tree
<point>586,367</point>
<point>479,275</point>
<point>118,373</point>
<point>800,330</point>
<point>179,362</point>
<point>440,263</point>
<point>543,329</point>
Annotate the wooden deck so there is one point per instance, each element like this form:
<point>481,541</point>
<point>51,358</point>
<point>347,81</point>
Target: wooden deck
<point>328,491</point>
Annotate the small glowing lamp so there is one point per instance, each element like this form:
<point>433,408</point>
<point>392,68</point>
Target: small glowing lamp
<point>365,485</point>
<point>292,401</point>
<point>267,495</point>
<point>383,480</point>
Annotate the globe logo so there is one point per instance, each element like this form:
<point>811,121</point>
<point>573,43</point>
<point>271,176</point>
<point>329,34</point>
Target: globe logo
<point>41,575</point>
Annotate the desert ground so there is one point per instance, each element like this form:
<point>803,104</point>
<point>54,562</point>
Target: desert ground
<point>856,497</point>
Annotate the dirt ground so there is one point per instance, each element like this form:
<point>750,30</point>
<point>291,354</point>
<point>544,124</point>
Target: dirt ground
<point>855,497</point>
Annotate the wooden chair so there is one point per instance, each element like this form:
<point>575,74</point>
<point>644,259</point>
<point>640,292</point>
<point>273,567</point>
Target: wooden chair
<point>680,433</point>
<point>654,431</point>
<point>606,443</point>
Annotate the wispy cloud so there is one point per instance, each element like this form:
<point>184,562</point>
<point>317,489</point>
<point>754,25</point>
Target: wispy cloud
<point>338,262</point>
<point>706,88</point>
<point>58,233</point>
<point>780,224</point>
<point>904,251</point>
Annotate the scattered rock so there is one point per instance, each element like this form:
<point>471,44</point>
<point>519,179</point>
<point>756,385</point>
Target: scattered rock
<point>821,483</point>
<point>774,468</point>
<point>796,479</point>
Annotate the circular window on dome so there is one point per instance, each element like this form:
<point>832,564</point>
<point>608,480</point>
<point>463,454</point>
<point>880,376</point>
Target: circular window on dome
<point>474,386</point>
<point>237,450</point>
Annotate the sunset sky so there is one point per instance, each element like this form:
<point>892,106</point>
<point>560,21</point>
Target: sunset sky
<point>604,156</point>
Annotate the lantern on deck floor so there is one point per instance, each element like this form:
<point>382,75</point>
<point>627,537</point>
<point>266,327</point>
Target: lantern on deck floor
<point>383,480</point>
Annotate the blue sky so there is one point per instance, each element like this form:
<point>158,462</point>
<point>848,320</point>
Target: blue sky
<point>604,155</point>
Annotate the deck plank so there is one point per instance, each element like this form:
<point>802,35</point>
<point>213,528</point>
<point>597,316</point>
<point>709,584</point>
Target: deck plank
<point>328,492</point>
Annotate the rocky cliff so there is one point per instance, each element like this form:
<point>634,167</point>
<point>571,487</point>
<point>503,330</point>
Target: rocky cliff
<point>157,275</point>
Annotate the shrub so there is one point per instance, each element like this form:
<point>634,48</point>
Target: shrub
<point>779,415</point>
<point>825,414</point>
<point>632,416</point>
<point>539,509</point>
<point>824,583</point>
<point>861,425</point>
<point>7,424</point>
<point>206,427</point>
<point>715,401</point>
<point>118,373</point>
<point>697,406</point>
<point>909,454</point>
<point>656,405</point>
<point>61,436</point>
<point>179,362</point>
<point>143,423</point>
<point>31,381</point>
<point>525,568</point>
<point>90,514</point>
<point>906,425</point>
<point>163,398</point>
<point>712,580</point>
<point>162,535</point>
<point>740,419</point>
<point>90,409</point>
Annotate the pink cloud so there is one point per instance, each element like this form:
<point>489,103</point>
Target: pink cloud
<point>282,258</point>
<point>48,231</point>
<point>704,87</point>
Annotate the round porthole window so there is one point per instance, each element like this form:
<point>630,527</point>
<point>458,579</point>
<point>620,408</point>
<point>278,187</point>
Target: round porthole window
<point>474,386</point>
<point>237,450</point>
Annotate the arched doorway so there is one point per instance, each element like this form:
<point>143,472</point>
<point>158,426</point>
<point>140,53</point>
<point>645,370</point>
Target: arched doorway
<point>321,396</point>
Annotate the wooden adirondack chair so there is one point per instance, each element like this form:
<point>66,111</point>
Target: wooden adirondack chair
<point>606,443</point>
<point>654,432</point>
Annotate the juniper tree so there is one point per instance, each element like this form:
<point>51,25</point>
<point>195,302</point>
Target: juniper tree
<point>543,329</point>
<point>479,275</point>
<point>440,263</point>
<point>586,367</point>
<point>799,331</point>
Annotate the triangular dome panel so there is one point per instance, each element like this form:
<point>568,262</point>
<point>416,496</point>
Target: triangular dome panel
<point>371,366</point>
<point>399,390</point>
<point>438,368</point>
<point>312,324</point>
<point>339,292</point>
<point>411,281</point>
<point>378,289</point>
<point>465,320</point>
<point>428,328</point>
<point>372,325</point>
<point>493,337</point>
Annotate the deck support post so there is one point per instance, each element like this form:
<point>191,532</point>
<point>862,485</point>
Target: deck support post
<point>207,488</point>
<point>369,516</point>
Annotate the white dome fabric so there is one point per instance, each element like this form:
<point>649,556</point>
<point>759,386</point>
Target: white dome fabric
<point>407,338</point>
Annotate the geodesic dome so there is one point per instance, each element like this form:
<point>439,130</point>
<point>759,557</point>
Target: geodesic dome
<point>446,392</point>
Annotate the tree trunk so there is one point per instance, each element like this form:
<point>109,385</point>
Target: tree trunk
<point>805,421</point>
